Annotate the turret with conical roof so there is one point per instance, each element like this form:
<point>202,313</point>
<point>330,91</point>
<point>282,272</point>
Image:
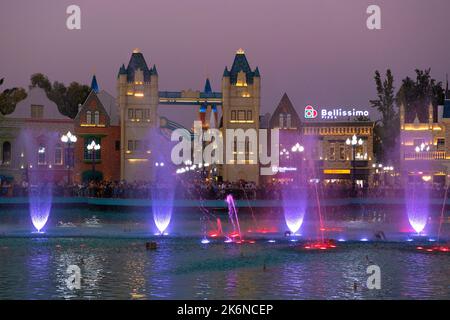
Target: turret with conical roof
<point>240,110</point>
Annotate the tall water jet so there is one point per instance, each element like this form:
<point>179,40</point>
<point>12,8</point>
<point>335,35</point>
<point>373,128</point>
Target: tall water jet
<point>162,189</point>
<point>36,158</point>
<point>40,197</point>
<point>417,198</point>
<point>233,216</point>
<point>294,207</point>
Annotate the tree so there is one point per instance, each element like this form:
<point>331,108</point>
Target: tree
<point>417,95</point>
<point>66,98</point>
<point>9,98</point>
<point>386,132</point>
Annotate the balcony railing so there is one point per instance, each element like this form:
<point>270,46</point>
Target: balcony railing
<point>431,155</point>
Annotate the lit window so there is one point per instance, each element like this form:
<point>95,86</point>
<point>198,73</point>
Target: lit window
<point>58,155</point>
<point>88,117</point>
<point>41,154</point>
<point>97,117</point>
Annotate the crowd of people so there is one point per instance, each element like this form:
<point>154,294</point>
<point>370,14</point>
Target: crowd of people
<point>196,189</point>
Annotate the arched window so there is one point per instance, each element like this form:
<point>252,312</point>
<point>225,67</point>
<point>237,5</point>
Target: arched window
<point>41,155</point>
<point>96,117</point>
<point>281,124</point>
<point>6,153</point>
<point>288,121</point>
<point>58,155</point>
<point>88,117</point>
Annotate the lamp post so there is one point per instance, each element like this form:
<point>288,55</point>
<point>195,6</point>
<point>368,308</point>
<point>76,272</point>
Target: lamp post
<point>93,148</point>
<point>298,148</point>
<point>69,139</point>
<point>354,142</point>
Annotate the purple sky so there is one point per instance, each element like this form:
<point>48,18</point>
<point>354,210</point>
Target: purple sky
<point>318,51</point>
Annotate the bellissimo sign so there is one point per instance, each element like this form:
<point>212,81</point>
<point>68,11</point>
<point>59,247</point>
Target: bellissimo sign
<point>331,113</point>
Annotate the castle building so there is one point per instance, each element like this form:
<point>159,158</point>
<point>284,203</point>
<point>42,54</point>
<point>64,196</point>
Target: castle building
<point>241,99</point>
<point>137,98</point>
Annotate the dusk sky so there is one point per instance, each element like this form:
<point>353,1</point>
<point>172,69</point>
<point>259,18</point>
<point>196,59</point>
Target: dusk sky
<point>318,51</point>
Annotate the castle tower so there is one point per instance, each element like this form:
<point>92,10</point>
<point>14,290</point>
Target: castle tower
<point>241,94</point>
<point>137,90</point>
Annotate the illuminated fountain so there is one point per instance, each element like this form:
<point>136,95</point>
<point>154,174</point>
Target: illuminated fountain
<point>417,203</point>
<point>163,188</point>
<point>294,207</point>
<point>232,214</point>
<point>40,198</point>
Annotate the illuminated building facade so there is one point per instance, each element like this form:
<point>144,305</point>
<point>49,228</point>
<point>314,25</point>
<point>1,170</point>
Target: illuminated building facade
<point>97,120</point>
<point>425,144</point>
<point>138,98</point>
<point>325,153</point>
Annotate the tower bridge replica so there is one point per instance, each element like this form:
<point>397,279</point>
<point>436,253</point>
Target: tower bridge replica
<point>139,98</point>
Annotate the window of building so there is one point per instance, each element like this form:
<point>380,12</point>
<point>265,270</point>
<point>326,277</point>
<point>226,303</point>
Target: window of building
<point>249,115</point>
<point>37,111</point>
<point>440,145</point>
<point>139,114</point>
<point>97,117</point>
<point>138,145</point>
<point>281,120</point>
<point>332,153</point>
<point>41,154</point>
<point>130,145</point>
<point>130,114</point>
<point>6,153</point>
<point>88,117</point>
<point>88,154</point>
<point>233,115</point>
<point>117,145</point>
<point>147,114</point>
<point>58,155</point>
<point>288,121</point>
<point>342,153</point>
<point>241,115</point>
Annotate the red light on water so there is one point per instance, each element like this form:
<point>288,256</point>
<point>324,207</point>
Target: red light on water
<point>325,245</point>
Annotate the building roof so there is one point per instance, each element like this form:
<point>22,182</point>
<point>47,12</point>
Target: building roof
<point>284,106</point>
<point>240,63</point>
<point>106,102</point>
<point>137,61</point>
<point>37,96</point>
<point>109,103</point>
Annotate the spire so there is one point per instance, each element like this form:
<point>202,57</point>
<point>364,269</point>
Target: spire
<point>226,73</point>
<point>256,73</point>
<point>154,71</point>
<point>207,86</point>
<point>240,64</point>
<point>122,70</point>
<point>94,85</point>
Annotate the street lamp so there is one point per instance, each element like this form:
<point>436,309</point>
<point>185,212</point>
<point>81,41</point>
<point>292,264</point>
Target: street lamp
<point>354,142</point>
<point>93,148</point>
<point>69,139</point>
<point>298,148</point>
